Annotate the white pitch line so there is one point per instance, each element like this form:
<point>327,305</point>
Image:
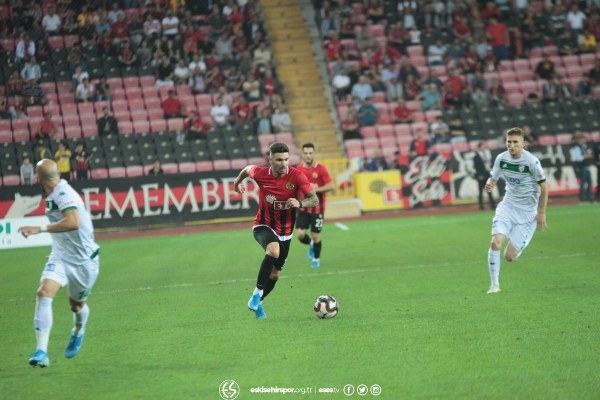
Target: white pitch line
<point>309,275</point>
<point>342,226</point>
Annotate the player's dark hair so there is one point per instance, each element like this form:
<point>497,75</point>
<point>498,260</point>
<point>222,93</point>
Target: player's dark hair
<point>308,146</point>
<point>514,132</point>
<point>278,147</point>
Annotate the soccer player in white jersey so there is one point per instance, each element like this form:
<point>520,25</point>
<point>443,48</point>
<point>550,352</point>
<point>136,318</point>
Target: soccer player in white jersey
<point>523,208</point>
<point>73,261</point>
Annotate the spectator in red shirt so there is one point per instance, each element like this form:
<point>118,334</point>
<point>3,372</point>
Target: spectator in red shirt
<point>497,34</point>
<point>420,145</point>
<point>398,37</point>
<point>412,88</point>
<point>454,82</point>
<point>47,129</point>
<point>243,111</point>
<point>172,106</point>
<point>402,113</point>
<point>120,29</point>
<point>194,127</point>
<point>497,92</point>
<point>127,56</point>
<point>461,30</point>
<point>385,52</point>
<point>334,47</point>
<point>490,11</point>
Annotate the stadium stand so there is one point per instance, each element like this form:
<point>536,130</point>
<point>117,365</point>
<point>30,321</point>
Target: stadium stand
<point>518,97</point>
<point>134,93</point>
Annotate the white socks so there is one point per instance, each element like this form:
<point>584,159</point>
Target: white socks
<point>258,291</point>
<point>494,266</point>
<point>42,321</point>
<point>79,320</point>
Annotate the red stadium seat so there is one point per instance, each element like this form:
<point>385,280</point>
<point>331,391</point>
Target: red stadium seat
<point>202,166</point>
<point>99,173</point>
<point>515,98</point>
<point>117,172</point>
<point>8,44</point>
<point>547,140</point>
<point>285,137</point>
<point>6,135</point>
<point>569,61</point>
<point>73,131</point>
<point>187,167</point>
<point>385,131</point>
<point>158,125</point>
<point>175,124</point>
<point>56,42</point>
<point>21,124</point>
<point>11,180</point>
<point>131,81</point>
<point>89,130</point>
<point>146,81</point>
<point>415,51</point>
<point>134,171</point>
<point>140,126</point>
<point>403,130</point>
<point>368,132</point>
<point>220,165</point>
<point>239,163</point>
<point>125,127</point>
<point>70,40</point>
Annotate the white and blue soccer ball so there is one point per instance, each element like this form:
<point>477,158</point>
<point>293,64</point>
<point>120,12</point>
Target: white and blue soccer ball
<point>326,307</point>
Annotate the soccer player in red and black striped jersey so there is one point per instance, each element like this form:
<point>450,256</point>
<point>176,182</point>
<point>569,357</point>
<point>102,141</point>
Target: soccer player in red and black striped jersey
<point>313,217</point>
<point>280,190</point>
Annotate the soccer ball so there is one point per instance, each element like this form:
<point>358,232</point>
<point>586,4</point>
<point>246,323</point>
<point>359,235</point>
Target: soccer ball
<point>326,307</point>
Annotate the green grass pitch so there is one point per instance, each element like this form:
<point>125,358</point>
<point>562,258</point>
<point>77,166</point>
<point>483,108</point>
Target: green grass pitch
<point>169,319</point>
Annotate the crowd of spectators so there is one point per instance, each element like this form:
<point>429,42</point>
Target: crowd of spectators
<point>463,38</point>
<point>213,47</point>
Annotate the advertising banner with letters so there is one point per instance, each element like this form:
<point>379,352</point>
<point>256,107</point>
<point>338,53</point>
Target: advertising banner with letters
<point>10,238</point>
<point>144,202</point>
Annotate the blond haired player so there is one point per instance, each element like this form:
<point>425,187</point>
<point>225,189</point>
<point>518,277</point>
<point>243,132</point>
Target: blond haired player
<point>523,208</point>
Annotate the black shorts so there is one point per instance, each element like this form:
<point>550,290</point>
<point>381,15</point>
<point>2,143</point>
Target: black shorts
<point>305,220</point>
<point>264,235</point>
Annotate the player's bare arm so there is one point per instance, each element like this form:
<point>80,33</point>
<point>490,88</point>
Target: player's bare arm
<point>238,186</point>
<point>540,217</point>
<point>311,200</point>
<point>69,222</point>
<point>489,185</point>
<point>325,188</point>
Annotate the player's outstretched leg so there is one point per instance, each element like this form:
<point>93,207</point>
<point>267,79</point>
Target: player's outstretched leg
<point>311,250</point>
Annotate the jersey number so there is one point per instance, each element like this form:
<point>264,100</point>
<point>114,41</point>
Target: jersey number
<point>280,205</point>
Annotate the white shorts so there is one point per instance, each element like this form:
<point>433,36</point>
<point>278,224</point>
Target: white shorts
<point>79,277</point>
<point>516,225</point>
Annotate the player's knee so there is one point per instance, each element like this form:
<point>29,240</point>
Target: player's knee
<point>76,306</point>
<point>495,244</point>
<point>44,292</point>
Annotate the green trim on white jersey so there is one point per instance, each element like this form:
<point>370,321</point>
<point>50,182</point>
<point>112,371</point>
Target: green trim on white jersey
<point>523,176</point>
<point>73,247</point>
